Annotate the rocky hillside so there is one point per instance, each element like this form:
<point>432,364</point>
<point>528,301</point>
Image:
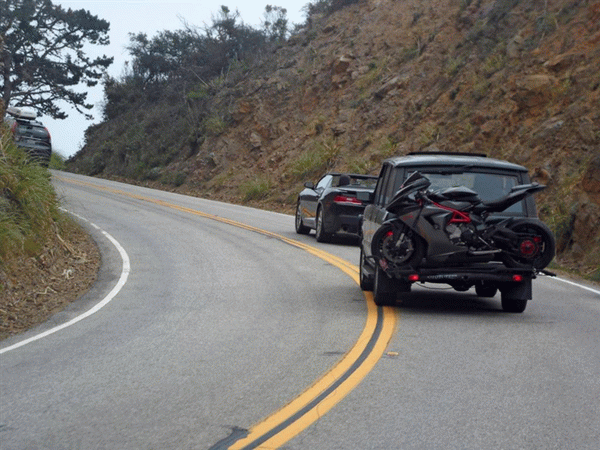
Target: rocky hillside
<point>515,79</point>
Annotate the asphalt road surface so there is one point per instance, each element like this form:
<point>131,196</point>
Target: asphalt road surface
<point>215,326</point>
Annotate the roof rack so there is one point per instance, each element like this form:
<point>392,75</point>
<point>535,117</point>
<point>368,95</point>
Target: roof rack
<point>20,113</point>
<point>483,155</point>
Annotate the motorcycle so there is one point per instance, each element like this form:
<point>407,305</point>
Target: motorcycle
<point>453,226</point>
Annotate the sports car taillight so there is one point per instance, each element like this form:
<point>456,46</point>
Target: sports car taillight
<point>346,199</point>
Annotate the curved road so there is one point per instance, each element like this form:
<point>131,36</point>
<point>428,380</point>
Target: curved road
<point>227,316</point>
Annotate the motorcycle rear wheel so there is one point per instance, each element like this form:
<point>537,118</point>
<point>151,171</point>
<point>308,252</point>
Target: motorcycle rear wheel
<point>535,249</point>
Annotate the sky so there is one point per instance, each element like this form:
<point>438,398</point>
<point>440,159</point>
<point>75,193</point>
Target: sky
<point>150,17</point>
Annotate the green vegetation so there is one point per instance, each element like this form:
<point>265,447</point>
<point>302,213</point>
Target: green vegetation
<point>180,81</point>
<point>494,62</point>
<point>373,77</point>
<point>559,214</point>
<point>361,165</point>
<point>453,66</point>
<point>430,133</point>
<point>42,55</point>
<point>57,161</point>
<point>174,97</point>
<point>409,53</point>
<point>214,125</point>
<point>29,214</point>
<point>327,6</point>
<point>386,147</point>
<point>255,189</point>
<point>173,178</point>
<point>316,160</point>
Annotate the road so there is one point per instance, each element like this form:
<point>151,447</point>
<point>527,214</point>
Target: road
<point>224,316</point>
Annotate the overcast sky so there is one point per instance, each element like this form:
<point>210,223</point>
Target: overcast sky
<point>150,17</point>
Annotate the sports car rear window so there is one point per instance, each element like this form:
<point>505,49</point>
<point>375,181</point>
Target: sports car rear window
<point>366,182</point>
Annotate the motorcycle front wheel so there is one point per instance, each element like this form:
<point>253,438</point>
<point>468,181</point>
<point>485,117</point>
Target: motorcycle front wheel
<point>535,246</point>
<point>398,245</point>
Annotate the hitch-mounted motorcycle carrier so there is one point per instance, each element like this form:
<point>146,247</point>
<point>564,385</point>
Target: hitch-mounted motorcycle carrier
<point>514,283</point>
<point>466,275</point>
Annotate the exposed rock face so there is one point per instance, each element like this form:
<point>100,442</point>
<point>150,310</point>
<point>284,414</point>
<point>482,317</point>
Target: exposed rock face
<point>534,90</point>
<point>591,181</point>
<point>513,79</point>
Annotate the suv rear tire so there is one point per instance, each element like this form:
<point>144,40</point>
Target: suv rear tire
<point>366,282</point>
<point>513,305</point>
<point>383,289</point>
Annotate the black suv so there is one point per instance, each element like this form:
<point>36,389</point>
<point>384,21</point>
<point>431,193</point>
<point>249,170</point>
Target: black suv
<point>474,181</point>
<point>29,134</point>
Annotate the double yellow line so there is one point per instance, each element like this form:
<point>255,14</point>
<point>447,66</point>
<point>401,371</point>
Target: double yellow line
<point>325,393</point>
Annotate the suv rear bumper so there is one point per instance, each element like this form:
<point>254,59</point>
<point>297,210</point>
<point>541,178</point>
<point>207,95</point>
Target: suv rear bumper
<point>465,275</point>
<point>513,283</point>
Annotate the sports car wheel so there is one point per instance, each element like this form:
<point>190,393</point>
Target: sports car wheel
<point>300,227</point>
<point>320,228</point>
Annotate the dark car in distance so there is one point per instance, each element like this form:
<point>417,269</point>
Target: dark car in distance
<point>29,134</point>
<point>333,204</point>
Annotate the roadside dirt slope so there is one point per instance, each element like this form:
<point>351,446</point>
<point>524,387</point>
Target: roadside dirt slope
<point>42,286</point>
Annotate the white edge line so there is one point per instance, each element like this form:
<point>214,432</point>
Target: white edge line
<point>112,294</point>
<point>579,285</point>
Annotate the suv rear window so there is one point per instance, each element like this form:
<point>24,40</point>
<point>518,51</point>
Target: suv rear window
<point>489,186</point>
<point>33,130</point>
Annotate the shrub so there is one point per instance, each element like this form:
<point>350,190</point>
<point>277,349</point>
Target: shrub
<point>214,125</point>
<point>361,165</point>
<point>315,161</point>
<point>336,5</point>
<point>57,161</point>
<point>494,63</point>
<point>173,178</point>
<point>255,189</point>
<point>453,66</point>
<point>28,204</point>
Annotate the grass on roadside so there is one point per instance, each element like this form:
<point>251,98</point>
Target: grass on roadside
<point>57,161</point>
<point>29,213</point>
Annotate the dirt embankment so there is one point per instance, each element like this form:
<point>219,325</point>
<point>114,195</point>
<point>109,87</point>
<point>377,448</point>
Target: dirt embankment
<point>38,287</point>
